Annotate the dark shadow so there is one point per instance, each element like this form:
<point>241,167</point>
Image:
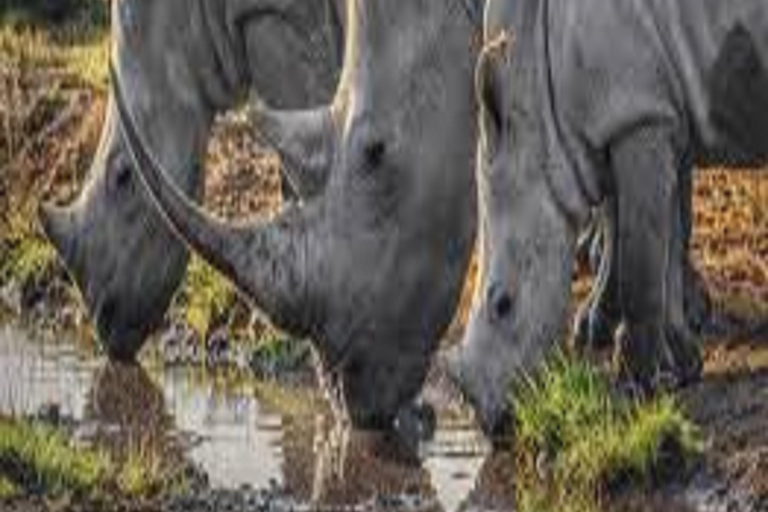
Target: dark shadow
<point>67,22</point>
<point>53,12</point>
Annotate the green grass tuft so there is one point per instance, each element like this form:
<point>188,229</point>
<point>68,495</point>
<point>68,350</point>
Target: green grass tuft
<point>141,474</point>
<point>42,461</point>
<point>205,296</point>
<point>7,489</point>
<point>25,259</point>
<point>277,354</point>
<point>591,440</point>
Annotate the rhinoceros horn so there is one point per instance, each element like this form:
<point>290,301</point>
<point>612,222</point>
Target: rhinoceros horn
<point>267,261</point>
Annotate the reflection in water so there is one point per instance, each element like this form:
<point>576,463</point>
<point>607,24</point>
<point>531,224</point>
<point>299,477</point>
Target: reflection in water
<point>357,467</point>
<point>233,438</point>
<point>239,435</point>
<point>35,374</point>
<point>494,488</point>
<point>125,414</point>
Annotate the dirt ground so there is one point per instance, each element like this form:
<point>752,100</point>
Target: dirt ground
<point>49,128</point>
<point>730,247</point>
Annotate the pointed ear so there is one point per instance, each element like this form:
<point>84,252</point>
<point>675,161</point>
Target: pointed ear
<point>305,141</point>
<point>489,83</point>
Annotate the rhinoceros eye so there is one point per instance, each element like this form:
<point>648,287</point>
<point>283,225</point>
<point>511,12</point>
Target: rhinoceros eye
<point>499,302</point>
<point>119,174</point>
<point>123,177</point>
<point>374,153</point>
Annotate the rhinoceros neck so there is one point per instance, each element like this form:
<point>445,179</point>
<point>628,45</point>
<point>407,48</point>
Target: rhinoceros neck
<point>573,189</point>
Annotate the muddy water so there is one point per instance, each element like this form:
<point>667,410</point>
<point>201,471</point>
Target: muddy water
<point>237,431</point>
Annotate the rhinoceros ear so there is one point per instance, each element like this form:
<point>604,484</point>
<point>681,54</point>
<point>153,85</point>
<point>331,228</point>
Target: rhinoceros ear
<point>489,87</point>
<point>305,140</point>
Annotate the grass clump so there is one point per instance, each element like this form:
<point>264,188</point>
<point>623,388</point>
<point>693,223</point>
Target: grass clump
<point>141,474</point>
<point>37,459</point>
<point>25,259</point>
<point>277,354</point>
<point>205,297</point>
<point>587,441</point>
<point>7,488</point>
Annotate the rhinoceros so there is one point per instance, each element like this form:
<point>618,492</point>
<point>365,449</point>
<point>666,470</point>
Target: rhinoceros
<point>371,268</point>
<point>597,99</point>
<point>185,61</point>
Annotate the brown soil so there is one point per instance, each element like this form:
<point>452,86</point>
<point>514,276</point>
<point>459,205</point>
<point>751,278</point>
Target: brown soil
<point>730,246</point>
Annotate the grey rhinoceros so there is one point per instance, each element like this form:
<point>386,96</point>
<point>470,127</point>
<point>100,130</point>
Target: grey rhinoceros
<point>593,99</point>
<point>371,268</point>
<point>183,62</point>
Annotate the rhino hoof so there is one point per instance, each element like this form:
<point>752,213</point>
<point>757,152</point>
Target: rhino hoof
<point>648,362</point>
<point>688,364</point>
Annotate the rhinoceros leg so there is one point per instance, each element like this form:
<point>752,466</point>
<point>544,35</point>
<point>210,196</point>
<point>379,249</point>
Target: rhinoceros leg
<point>655,346</point>
<point>598,317</point>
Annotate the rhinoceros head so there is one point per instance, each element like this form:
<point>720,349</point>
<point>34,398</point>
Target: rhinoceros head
<point>527,235</point>
<point>371,269</point>
<point>181,61</point>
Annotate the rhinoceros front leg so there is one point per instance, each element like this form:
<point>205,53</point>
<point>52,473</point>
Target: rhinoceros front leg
<point>655,346</point>
<point>597,319</point>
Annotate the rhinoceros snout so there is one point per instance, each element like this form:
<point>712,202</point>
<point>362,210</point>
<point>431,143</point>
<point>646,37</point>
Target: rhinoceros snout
<point>492,412</point>
<point>121,339</point>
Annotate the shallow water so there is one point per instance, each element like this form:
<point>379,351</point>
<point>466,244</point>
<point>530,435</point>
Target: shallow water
<point>243,433</point>
<point>238,431</point>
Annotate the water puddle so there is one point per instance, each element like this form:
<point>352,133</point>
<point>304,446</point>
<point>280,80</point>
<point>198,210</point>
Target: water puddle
<point>241,433</point>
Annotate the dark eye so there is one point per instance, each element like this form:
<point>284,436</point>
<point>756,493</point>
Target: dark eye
<point>374,153</point>
<point>123,176</point>
<point>499,302</point>
<point>121,179</point>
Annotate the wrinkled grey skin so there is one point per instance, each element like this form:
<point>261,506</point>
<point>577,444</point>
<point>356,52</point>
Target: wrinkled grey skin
<point>568,119</point>
<point>372,268</point>
<point>184,61</point>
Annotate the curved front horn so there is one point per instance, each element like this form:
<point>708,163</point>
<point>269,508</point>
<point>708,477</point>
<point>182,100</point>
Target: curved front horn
<point>267,261</point>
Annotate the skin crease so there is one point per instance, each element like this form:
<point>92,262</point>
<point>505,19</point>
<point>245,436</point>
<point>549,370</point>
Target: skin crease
<point>354,268</point>
<point>181,70</point>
